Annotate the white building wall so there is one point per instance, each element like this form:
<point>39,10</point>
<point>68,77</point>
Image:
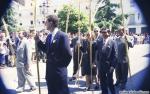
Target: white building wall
<point>130,8</point>
<point>26,17</point>
<point>25,14</point>
<point>133,9</point>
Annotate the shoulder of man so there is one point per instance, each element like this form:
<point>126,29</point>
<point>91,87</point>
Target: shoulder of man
<point>61,33</point>
<point>25,40</point>
<point>100,38</point>
<point>111,41</point>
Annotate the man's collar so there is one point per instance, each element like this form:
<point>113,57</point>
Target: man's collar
<point>122,36</point>
<point>55,31</point>
<point>24,38</point>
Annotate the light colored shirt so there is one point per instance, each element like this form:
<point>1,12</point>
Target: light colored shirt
<point>54,33</point>
<point>23,53</point>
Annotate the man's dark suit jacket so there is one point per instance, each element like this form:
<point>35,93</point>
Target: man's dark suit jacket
<point>108,57</point>
<point>75,49</point>
<point>58,58</point>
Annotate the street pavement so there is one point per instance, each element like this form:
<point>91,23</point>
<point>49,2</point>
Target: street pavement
<point>139,61</point>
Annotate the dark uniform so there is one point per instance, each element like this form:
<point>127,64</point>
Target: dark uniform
<point>76,58</point>
<point>122,61</point>
<point>86,67</point>
<point>106,59</point>
<point>58,58</point>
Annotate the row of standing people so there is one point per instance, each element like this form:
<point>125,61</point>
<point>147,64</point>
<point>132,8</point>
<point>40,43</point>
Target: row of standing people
<point>18,46</point>
<point>8,47</point>
<point>103,48</point>
<point>7,50</point>
<point>23,63</point>
<point>107,54</point>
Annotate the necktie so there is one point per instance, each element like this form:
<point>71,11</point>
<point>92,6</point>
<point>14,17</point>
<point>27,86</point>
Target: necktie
<point>104,42</point>
<point>19,42</point>
<point>49,39</point>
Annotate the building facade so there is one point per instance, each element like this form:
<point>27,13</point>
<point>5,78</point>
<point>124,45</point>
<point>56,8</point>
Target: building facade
<point>135,22</point>
<point>25,14</point>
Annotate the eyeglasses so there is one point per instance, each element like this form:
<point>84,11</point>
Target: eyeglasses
<point>103,32</point>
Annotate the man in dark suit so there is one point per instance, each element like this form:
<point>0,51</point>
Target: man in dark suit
<point>106,61</point>
<point>76,56</point>
<point>59,55</point>
<point>123,43</point>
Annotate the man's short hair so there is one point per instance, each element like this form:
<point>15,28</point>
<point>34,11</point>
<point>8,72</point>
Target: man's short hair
<point>53,19</point>
<point>121,29</point>
<point>105,30</point>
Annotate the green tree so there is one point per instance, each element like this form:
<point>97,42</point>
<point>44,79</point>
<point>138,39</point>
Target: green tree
<point>10,20</point>
<point>106,15</point>
<point>73,23</point>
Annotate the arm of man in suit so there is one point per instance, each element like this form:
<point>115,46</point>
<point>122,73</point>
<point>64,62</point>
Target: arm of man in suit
<point>129,41</point>
<point>130,44</point>
<point>40,44</point>
<point>82,46</point>
<point>66,51</point>
<point>94,49</point>
<point>27,55</point>
<point>114,57</point>
<point>72,43</point>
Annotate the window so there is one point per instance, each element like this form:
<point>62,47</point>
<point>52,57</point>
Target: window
<point>19,14</point>
<point>138,16</point>
<point>43,22</point>
<point>143,20</point>
<point>132,30</point>
<point>31,13</point>
<point>131,19</point>
<point>20,24</point>
<point>31,22</point>
<point>144,30</point>
<point>55,10</point>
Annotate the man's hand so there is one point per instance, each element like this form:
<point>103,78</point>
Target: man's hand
<point>27,67</point>
<point>111,69</point>
<point>93,65</point>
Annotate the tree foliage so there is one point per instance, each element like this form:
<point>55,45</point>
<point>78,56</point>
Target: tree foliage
<point>9,19</point>
<point>106,15</point>
<point>73,23</point>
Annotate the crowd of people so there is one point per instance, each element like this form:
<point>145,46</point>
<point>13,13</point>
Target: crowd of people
<point>98,54</point>
<point>8,47</point>
<point>16,52</point>
<point>115,56</point>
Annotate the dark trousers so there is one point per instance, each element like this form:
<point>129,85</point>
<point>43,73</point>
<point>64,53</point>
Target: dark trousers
<point>57,85</point>
<point>6,59</point>
<point>106,80</point>
<point>122,73</point>
<point>75,66</point>
<point>2,59</point>
<point>76,62</point>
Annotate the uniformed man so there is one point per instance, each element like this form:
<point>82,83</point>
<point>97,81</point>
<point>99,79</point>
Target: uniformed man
<point>106,61</point>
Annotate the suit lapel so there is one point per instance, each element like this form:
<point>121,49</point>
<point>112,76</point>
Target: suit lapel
<point>55,42</point>
<point>55,39</point>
